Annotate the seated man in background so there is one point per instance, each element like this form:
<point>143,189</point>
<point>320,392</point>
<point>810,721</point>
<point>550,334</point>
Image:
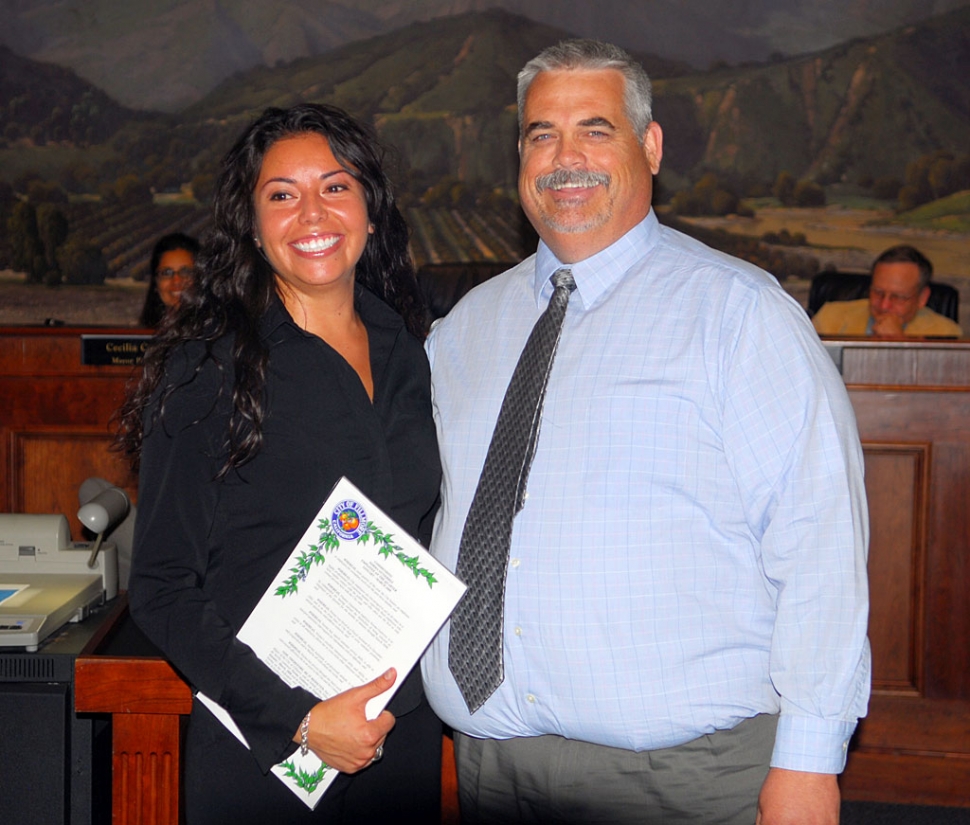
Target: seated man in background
<point>896,305</point>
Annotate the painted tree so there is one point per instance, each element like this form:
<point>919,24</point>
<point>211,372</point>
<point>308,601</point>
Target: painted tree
<point>27,249</point>
<point>784,188</point>
<point>82,262</point>
<point>52,228</point>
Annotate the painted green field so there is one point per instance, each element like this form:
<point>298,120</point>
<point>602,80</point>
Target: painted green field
<point>849,238</point>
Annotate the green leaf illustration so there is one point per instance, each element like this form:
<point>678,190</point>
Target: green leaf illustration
<point>302,779</point>
<point>329,541</point>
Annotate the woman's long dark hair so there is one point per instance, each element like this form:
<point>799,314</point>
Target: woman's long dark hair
<point>153,308</point>
<point>235,285</point>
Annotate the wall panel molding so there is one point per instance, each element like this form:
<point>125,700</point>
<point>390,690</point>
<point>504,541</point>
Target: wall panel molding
<point>896,486</point>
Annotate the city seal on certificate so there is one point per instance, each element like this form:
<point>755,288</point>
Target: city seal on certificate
<point>349,520</point>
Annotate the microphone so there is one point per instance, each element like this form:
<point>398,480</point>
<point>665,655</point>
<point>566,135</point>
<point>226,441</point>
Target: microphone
<point>103,512</point>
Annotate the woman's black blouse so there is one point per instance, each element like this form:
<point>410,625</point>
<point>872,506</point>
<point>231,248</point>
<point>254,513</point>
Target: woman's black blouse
<point>207,549</point>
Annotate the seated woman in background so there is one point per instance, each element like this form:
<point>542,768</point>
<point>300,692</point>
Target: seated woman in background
<point>172,270</point>
<point>295,359</point>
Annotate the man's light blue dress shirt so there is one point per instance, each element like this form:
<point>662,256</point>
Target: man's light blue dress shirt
<point>692,551</point>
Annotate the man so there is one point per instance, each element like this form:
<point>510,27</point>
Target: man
<point>689,557</point>
<point>896,305</point>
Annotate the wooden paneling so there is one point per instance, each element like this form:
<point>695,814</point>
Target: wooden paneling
<point>948,569</point>
<point>145,769</point>
<point>940,419</point>
<point>910,779</point>
<point>895,486</point>
<point>54,422</point>
<point>50,462</point>
<point>145,698</point>
<point>118,684</point>
<point>912,404</point>
<point>904,363</point>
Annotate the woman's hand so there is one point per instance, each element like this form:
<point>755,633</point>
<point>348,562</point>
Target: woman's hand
<point>340,733</point>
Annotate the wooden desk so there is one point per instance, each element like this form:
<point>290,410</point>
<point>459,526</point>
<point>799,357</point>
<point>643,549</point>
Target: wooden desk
<point>121,674</point>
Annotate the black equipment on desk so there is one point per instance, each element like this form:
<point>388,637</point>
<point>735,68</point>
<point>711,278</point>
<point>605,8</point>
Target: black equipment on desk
<point>55,765</point>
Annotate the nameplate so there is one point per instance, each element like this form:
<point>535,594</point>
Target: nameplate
<point>113,350</point>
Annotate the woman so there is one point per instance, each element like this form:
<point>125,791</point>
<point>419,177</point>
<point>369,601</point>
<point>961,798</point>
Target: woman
<point>172,271</point>
<point>288,366</point>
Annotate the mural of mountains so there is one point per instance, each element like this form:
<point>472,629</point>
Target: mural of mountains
<point>442,93</point>
<point>48,103</point>
<point>166,54</point>
<point>864,108</point>
<point>700,32</point>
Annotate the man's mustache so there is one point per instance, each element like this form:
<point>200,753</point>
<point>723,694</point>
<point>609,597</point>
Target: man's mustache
<point>571,177</point>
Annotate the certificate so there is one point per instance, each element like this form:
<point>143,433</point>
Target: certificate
<point>356,596</point>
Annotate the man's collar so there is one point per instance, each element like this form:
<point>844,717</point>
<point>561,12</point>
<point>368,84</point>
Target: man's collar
<point>596,275</point>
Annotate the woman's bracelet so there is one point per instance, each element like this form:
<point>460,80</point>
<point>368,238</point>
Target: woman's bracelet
<point>304,731</point>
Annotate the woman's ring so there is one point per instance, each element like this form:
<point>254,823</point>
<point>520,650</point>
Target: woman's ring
<point>378,754</point>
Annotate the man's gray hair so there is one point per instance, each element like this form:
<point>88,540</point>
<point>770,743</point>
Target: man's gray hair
<point>593,55</point>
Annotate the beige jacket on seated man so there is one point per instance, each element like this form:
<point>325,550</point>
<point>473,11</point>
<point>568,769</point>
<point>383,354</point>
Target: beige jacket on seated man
<point>896,305</point>
<point>852,318</point>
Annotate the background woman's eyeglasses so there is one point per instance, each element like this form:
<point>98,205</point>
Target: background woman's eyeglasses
<point>183,272</point>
